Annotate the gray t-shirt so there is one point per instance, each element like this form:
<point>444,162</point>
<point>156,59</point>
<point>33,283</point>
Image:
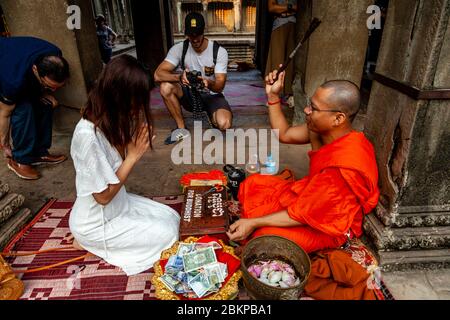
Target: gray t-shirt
<point>203,62</point>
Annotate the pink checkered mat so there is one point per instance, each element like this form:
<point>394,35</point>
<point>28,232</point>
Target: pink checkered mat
<point>88,279</point>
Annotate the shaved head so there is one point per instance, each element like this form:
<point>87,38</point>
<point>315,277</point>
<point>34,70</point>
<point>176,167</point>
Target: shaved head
<point>344,96</point>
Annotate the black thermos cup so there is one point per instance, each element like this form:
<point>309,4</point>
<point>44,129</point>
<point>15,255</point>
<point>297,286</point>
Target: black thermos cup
<point>235,177</point>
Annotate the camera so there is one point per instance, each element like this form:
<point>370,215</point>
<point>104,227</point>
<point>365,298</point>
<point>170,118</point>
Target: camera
<point>194,78</point>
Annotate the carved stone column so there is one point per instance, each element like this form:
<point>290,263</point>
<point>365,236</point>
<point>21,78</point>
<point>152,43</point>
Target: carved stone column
<point>179,17</point>
<point>412,137</point>
<point>237,15</point>
<point>205,14</point>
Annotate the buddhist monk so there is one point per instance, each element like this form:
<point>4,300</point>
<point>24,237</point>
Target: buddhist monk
<point>327,207</point>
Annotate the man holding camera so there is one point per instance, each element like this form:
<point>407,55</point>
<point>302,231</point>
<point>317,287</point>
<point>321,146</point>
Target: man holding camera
<point>31,70</point>
<point>197,53</point>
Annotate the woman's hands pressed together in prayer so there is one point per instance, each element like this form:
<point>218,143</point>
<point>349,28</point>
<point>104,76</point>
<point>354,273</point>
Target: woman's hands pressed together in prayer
<point>139,145</point>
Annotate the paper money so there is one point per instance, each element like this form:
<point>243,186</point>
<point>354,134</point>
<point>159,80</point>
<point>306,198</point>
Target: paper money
<point>174,265</point>
<point>200,258</point>
<point>169,282</point>
<point>214,274</point>
<point>224,268</point>
<point>200,284</point>
<point>194,271</point>
<point>184,248</point>
<point>214,244</point>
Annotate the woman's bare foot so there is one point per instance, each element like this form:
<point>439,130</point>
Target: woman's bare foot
<point>75,244</point>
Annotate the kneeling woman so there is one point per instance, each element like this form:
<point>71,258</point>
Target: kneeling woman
<point>125,230</point>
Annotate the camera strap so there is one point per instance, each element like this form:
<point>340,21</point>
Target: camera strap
<point>216,47</point>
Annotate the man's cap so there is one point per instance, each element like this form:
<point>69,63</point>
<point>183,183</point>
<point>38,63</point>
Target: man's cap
<point>100,17</point>
<point>194,24</point>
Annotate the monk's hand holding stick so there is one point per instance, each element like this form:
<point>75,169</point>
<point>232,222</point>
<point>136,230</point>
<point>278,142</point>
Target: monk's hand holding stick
<point>274,85</point>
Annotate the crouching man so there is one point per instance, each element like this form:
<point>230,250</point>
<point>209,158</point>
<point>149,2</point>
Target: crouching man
<point>197,53</point>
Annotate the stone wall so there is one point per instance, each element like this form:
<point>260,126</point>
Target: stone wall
<point>411,137</point>
<point>335,51</point>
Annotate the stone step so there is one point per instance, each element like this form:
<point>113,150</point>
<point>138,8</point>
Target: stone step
<point>9,205</point>
<point>13,226</point>
<point>414,259</point>
<point>4,189</point>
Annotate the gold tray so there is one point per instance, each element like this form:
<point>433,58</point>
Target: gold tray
<point>229,291</point>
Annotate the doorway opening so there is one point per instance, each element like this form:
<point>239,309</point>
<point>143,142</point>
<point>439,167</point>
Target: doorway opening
<point>119,18</point>
<point>373,49</point>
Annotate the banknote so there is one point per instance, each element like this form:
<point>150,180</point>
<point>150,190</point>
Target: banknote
<point>214,273</point>
<point>200,284</point>
<point>183,288</point>
<point>200,258</point>
<point>224,268</point>
<point>174,265</point>
<point>213,244</point>
<point>184,248</point>
<point>169,282</point>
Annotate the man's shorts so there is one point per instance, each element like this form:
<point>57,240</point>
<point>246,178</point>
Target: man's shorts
<point>212,102</point>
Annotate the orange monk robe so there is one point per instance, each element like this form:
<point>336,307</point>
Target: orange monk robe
<point>330,202</point>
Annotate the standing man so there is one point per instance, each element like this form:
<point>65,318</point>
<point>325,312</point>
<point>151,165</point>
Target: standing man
<point>282,42</point>
<point>31,70</point>
<point>199,54</point>
<point>106,38</point>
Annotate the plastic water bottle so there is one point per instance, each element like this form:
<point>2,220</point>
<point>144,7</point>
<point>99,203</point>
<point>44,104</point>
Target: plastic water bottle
<point>270,166</point>
<point>253,166</point>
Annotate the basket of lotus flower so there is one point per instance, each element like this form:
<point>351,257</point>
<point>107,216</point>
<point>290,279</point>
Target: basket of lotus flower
<point>274,268</point>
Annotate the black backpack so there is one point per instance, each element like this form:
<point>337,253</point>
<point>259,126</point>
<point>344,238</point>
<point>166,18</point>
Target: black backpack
<point>216,47</point>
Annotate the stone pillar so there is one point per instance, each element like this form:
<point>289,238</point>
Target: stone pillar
<point>237,15</point>
<point>335,51</point>
<point>411,137</point>
<point>205,14</point>
<point>47,19</point>
<point>179,17</point>
<point>126,21</point>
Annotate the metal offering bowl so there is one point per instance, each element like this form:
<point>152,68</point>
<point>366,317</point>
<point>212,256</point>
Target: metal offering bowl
<point>274,248</point>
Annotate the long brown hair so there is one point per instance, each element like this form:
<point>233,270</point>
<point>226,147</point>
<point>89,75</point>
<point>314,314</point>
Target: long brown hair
<point>119,103</point>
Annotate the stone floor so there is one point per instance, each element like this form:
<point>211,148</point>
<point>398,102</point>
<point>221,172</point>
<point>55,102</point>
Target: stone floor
<point>157,175</point>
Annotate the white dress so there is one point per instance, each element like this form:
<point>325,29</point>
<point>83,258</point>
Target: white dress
<point>131,231</point>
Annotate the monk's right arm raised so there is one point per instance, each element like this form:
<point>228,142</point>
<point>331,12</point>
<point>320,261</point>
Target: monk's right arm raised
<point>287,133</point>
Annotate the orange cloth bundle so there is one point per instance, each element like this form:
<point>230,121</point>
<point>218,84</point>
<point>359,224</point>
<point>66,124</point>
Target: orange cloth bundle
<point>336,276</point>
<point>204,178</point>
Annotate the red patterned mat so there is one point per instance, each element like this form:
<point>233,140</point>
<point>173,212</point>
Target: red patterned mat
<point>88,279</point>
